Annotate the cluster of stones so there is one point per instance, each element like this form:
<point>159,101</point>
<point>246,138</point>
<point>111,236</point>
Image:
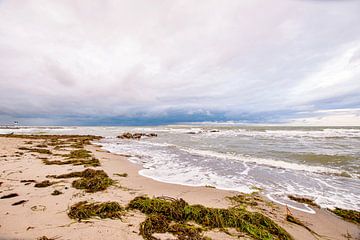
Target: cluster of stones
<point>137,136</point>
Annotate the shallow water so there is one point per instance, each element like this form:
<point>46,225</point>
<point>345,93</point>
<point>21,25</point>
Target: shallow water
<point>321,163</point>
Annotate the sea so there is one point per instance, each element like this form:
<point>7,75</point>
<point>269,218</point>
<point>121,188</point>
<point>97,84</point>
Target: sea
<point>321,163</point>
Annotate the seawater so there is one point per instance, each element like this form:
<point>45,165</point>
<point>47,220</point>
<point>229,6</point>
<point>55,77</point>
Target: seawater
<point>318,162</point>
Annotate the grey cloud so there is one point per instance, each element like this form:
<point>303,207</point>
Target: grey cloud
<point>112,58</point>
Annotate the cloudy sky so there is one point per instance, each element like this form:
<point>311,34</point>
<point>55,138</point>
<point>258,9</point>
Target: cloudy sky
<point>150,62</point>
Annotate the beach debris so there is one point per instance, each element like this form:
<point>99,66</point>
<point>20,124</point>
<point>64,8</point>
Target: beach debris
<point>19,202</point>
<point>79,153</point>
<point>45,183</point>
<point>38,208</point>
<point>136,136</point>
<point>292,219</point>
<point>38,150</point>
<point>244,199</point>
<point>349,215</point>
<point>1,183</point>
<point>85,210</point>
<point>91,180</point>
<point>76,157</point>
<point>29,228</point>
<point>94,184</point>
<point>214,130</point>
<point>41,145</point>
<point>45,238</point>
<point>11,195</point>
<point>303,200</point>
<point>56,192</point>
<point>253,224</point>
<point>121,174</point>
<point>28,181</point>
<point>157,223</point>
<point>93,162</point>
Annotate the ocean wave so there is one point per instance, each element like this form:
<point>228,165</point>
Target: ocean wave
<point>193,167</point>
<point>323,133</point>
<point>264,161</point>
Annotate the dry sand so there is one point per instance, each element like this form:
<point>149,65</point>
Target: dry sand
<point>46,215</point>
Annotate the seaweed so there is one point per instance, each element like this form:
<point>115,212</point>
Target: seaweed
<point>296,221</point>
<point>27,181</point>
<point>19,202</point>
<point>349,215</point>
<point>157,223</point>
<point>93,162</point>
<point>84,210</point>
<point>121,174</point>
<point>87,173</point>
<point>252,223</point>
<point>45,238</point>
<point>56,192</point>
<point>38,150</point>
<point>43,184</point>
<point>41,145</point>
<point>11,195</point>
<point>91,180</point>
<point>95,184</point>
<point>80,153</point>
<point>303,200</point>
<point>243,199</point>
<point>41,150</point>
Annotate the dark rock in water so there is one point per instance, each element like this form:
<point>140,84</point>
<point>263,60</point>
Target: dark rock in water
<point>136,136</point>
<point>126,136</point>
<point>191,132</point>
<point>151,135</point>
<point>214,130</point>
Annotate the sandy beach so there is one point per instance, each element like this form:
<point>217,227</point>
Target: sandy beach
<point>43,214</point>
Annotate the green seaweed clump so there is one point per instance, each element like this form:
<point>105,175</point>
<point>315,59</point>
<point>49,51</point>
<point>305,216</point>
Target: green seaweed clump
<point>296,221</point>
<point>38,150</point>
<point>85,210</point>
<point>91,180</point>
<point>79,153</point>
<point>76,157</point>
<point>254,224</point>
<point>45,238</point>
<point>95,184</point>
<point>157,223</point>
<point>350,215</point>
<point>303,200</point>
<point>243,199</point>
<point>93,162</point>
<point>121,174</point>
<point>45,183</point>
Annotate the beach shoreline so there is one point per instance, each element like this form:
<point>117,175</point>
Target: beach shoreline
<point>46,215</point>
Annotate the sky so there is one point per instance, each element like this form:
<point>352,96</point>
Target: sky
<point>140,62</point>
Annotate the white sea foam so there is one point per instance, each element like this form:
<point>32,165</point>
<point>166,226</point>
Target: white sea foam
<point>263,161</point>
<point>324,133</point>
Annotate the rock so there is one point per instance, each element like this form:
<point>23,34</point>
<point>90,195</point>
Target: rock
<point>136,136</point>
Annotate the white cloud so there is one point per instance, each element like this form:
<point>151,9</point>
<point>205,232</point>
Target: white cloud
<point>338,117</point>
